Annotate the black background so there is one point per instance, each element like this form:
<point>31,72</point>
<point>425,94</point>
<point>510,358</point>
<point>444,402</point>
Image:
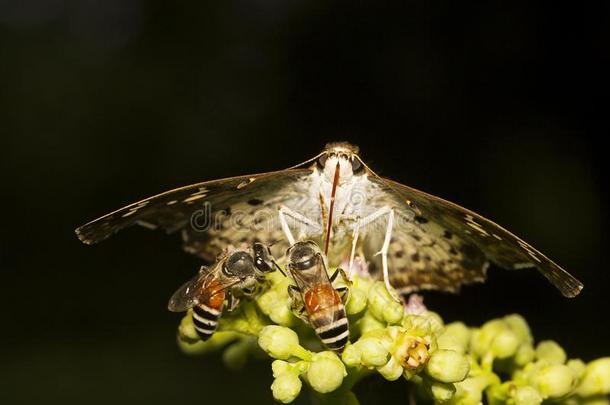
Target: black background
<point>498,106</point>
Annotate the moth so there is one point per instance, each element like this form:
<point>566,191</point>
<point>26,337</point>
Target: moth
<point>413,240</point>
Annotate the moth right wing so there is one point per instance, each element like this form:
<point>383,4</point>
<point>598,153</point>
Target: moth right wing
<point>440,245</point>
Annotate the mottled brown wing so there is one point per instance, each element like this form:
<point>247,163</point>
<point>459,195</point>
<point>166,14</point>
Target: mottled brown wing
<point>210,215</point>
<point>440,245</point>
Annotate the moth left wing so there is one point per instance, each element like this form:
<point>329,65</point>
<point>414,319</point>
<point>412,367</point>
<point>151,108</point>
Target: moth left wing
<point>444,245</point>
<point>208,212</point>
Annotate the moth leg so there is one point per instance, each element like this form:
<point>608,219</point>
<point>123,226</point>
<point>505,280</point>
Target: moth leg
<point>384,256</point>
<point>233,301</point>
<point>302,219</point>
<point>355,236</point>
<point>297,305</point>
<point>386,244</point>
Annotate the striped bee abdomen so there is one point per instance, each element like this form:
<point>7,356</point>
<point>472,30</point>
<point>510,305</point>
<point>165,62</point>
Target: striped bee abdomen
<point>205,319</point>
<point>207,313</point>
<point>334,335</point>
<point>327,316</point>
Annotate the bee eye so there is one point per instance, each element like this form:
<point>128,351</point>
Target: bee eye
<point>303,255</point>
<point>239,264</point>
<point>321,162</point>
<point>305,263</point>
<point>357,166</point>
<point>262,258</point>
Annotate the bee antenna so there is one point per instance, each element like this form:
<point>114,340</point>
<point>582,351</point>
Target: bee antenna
<point>277,266</point>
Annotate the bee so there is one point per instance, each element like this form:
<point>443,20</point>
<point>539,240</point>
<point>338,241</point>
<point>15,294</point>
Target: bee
<point>237,273</point>
<point>314,297</point>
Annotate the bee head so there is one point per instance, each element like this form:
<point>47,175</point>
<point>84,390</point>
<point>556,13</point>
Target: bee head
<point>344,154</point>
<point>262,258</point>
<point>303,255</point>
<point>239,265</point>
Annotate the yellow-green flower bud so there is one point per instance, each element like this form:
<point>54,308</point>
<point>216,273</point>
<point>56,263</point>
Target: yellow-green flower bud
<point>236,355</point>
<point>186,329</point>
<point>518,325</point>
<point>596,379</point>
<point>326,372</point>
<point>448,366</point>
<point>442,391</point>
<point>392,370</point>
<point>525,354</point>
<point>456,337</point>
<point>550,352</point>
<point>280,367</point>
<point>351,355</point>
<point>481,339</point>
<point>357,301</point>
<point>436,318</point>
<point>526,395</point>
<point>553,381</point>
<point>369,323</point>
<point>286,387</point>
<point>373,352</point>
<point>383,306</point>
<point>577,366</point>
<point>279,342</point>
<point>505,344</point>
<point>470,391</point>
<point>275,302</point>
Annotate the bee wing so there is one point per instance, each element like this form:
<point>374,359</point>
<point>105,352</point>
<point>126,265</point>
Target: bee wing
<point>192,292</point>
<point>440,245</point>
<point>202,211</point>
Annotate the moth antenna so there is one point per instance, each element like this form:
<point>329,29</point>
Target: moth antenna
<point>307,161</point>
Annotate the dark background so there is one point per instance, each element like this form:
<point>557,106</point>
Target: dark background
<point>496,106</point>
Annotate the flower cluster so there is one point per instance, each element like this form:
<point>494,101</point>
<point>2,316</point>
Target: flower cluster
<point>452,363</point>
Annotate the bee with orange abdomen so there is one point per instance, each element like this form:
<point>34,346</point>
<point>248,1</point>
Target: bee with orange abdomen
<point>314,297</point>
<point>236,274</point>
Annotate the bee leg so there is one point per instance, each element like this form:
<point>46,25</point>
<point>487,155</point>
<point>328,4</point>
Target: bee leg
<point>343,294</point>
<point>248,292</point>
<point>343,291</point>
<point>340,272</point>
<point>297,305</point>
<point>233,301</point>
<point>298,217</point>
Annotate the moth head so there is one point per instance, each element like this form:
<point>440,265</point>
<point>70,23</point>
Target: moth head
<point>345,155</point>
